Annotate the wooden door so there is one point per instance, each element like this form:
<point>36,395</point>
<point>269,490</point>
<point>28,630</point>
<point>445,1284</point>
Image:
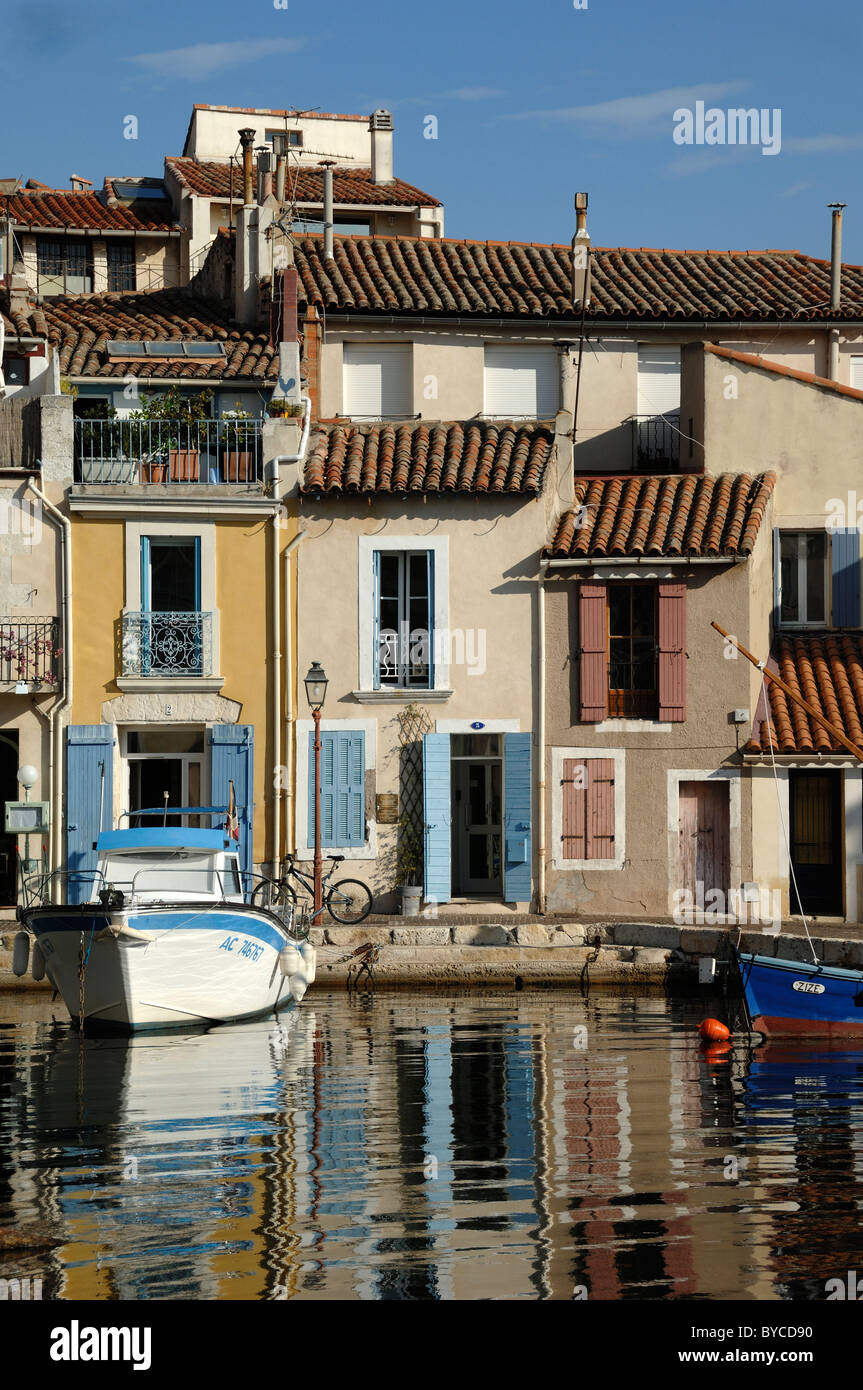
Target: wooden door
<point>704,838</point>
<point>816,842</point>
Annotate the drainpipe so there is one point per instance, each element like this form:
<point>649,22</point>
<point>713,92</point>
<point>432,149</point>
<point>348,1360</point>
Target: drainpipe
<point>835,288</point>
<point>273,466</point>
<point>540,761</point>
<point>290,730</point>
<point>56,728</point>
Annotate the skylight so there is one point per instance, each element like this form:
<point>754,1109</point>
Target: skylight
<point>163,347</point>
<point>153,192</point>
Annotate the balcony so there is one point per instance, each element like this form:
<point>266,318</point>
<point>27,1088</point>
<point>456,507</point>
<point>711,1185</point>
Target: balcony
<point>655,443</point>
<point>209,452</point>
<point>167,645</point>
<point>29,653</point>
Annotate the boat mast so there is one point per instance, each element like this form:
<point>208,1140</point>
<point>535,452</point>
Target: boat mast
<point>792,695</point>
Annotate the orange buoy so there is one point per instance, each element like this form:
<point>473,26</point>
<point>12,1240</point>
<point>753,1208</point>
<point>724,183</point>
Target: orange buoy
<point>711,1030</point>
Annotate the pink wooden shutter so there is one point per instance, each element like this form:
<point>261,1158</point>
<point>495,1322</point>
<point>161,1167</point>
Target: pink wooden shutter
<point>672,652</point>
<point>600,809</point>
<point>574,809</point>
<point>593,667</point>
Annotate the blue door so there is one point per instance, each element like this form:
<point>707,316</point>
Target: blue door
<point>233,760</point>
<point>437,875</point>
<point>517,802</point>
<point>89,803</point>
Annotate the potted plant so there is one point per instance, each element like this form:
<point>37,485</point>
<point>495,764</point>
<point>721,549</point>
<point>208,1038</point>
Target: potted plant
<point>281,409</point>
<point>183,427</point>
<point>409,866</point>
<point>238,446</point>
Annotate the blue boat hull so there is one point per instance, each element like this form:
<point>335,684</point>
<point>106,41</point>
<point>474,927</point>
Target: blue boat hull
<point>789,998</point>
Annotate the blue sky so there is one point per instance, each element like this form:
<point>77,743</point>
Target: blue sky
<point>533,101</point>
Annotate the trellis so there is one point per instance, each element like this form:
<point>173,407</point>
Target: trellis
<point>414,722</point>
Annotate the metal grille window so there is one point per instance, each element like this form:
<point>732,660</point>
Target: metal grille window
<point>632,651</point>
<point>121,265</point>
<point>803,578</point>
<point>64,265</point>
<point>403,615</point>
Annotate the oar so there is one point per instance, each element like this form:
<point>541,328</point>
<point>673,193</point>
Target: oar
<point>792,695</point>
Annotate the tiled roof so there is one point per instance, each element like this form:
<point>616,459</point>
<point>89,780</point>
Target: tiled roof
<point>668,515</point>
<point>351,184</point>
<point>82,325</point>
<point>22,325</point>
<point>62,207</point>
<point>826,670</point>
<point>428,457</point>
<point>520,280</point>
<point>749,359</point>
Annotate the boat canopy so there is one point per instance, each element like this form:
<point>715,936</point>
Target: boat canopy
<point>164,837</point>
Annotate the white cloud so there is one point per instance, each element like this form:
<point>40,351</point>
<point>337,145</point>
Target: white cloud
<point>203,59</point>
<point>796,188</point>
<point>624,114</point>
<point>473,93</point>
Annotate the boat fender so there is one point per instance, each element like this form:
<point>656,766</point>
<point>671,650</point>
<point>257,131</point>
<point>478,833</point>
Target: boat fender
<point>38,966</point>
<point>290,960</point>
<point>298,984</point>
<point>21,953</point>
<point>310,957</point>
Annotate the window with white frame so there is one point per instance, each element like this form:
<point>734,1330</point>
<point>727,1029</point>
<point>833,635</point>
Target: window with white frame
<point>376,381</point>
<point>403,590</point>
<point>521,382</point>
<point>857,372</point>
<point>803,578</point>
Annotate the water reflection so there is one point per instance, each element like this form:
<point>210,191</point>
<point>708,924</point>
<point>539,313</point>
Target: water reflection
<point>429,1147</point>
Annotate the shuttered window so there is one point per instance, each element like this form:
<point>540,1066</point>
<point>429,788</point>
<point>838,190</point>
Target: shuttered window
<point>521,382</point>
<point>377,381</point>
<point>588,809</point>
<point>343,800</point>
<point>857,373</point>
<point>658,380</point>
<point>593,653</point>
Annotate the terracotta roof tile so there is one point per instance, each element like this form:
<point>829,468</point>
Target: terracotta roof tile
<point>428,457</point>
<point>671,515</point>
<point>826,669</point>
<point>351,184</point>
<point>60,208</point>
<point>82,325</point>
<point>447,277</point>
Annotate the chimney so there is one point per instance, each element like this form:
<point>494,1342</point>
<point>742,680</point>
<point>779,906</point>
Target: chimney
<point>281,171</point>
<point>835,287</point>
<point>265,173</point>
<point>80,185</point>
<point>327,166</point>
<point>381,128</point>
<point>247,140</point>
<point>581,255</point>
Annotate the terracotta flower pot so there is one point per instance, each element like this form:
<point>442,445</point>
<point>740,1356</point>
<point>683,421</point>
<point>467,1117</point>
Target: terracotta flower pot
<point>185,465</point>
<point>154,472</point>
<point>238,466</point>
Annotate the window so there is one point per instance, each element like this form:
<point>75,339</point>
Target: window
<point>657,438</point>
<point>283,140</point>
<point>172,633</point>
<point>521,383</point>
<point>377,381</point>
<point>857,373</point>
<point>632,651</point>
<point>64,265</point>
<point>343,796</point>
<point>802,580</point>
<point>16,371</point>
<point>121,265</point>
<point>403,649</point>
<point>587,830</point>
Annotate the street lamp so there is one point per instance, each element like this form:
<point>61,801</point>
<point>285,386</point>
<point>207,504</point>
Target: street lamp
<point>316,692</point>
<point>28,776</point>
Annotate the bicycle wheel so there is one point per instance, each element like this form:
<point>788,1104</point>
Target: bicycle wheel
<point>349,901</point>
<point>274,893</point>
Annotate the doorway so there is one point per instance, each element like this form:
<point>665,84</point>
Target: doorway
<point>477,815</point>
<point>8,843</point>
<point>815,800</point>
<point>704,828</point>
<point>166,768</point>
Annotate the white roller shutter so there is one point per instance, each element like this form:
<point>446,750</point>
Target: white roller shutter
<point>521,381</point>
<point>658,381</point>
<point>377,380</point>
<point>857,373</point>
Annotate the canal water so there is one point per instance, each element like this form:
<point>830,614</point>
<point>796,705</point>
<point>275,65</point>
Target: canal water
<point>527,1145</point>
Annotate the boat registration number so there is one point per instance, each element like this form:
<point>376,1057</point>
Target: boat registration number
<point>807,987</point>
<point>249,949</point>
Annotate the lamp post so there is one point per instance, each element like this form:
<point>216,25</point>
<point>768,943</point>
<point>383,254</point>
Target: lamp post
<point>28,776</point>
<point>316,692</point>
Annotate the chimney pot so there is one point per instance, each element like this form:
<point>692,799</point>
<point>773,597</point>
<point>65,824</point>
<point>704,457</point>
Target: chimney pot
<point>247,140</point>
<point>381,129</point>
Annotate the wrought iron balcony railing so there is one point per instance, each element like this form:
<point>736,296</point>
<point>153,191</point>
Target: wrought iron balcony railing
<point>167,644</point>
<point>655,440</point>
<point>30,652</point>
<point>168,451</point>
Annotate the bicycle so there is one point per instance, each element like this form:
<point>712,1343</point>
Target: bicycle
<point>347,901</point>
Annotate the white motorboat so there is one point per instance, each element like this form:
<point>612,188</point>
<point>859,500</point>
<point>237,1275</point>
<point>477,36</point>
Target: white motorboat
<point>167,938</point>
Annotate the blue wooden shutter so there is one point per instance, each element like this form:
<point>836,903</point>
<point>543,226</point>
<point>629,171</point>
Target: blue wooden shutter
<point>343,789</point>
<point>517,802</point>
<point>437,873</point>
<point>232,759</point>
<point>845,560</point>
<point>777,581</point>
<point>89,784</point>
